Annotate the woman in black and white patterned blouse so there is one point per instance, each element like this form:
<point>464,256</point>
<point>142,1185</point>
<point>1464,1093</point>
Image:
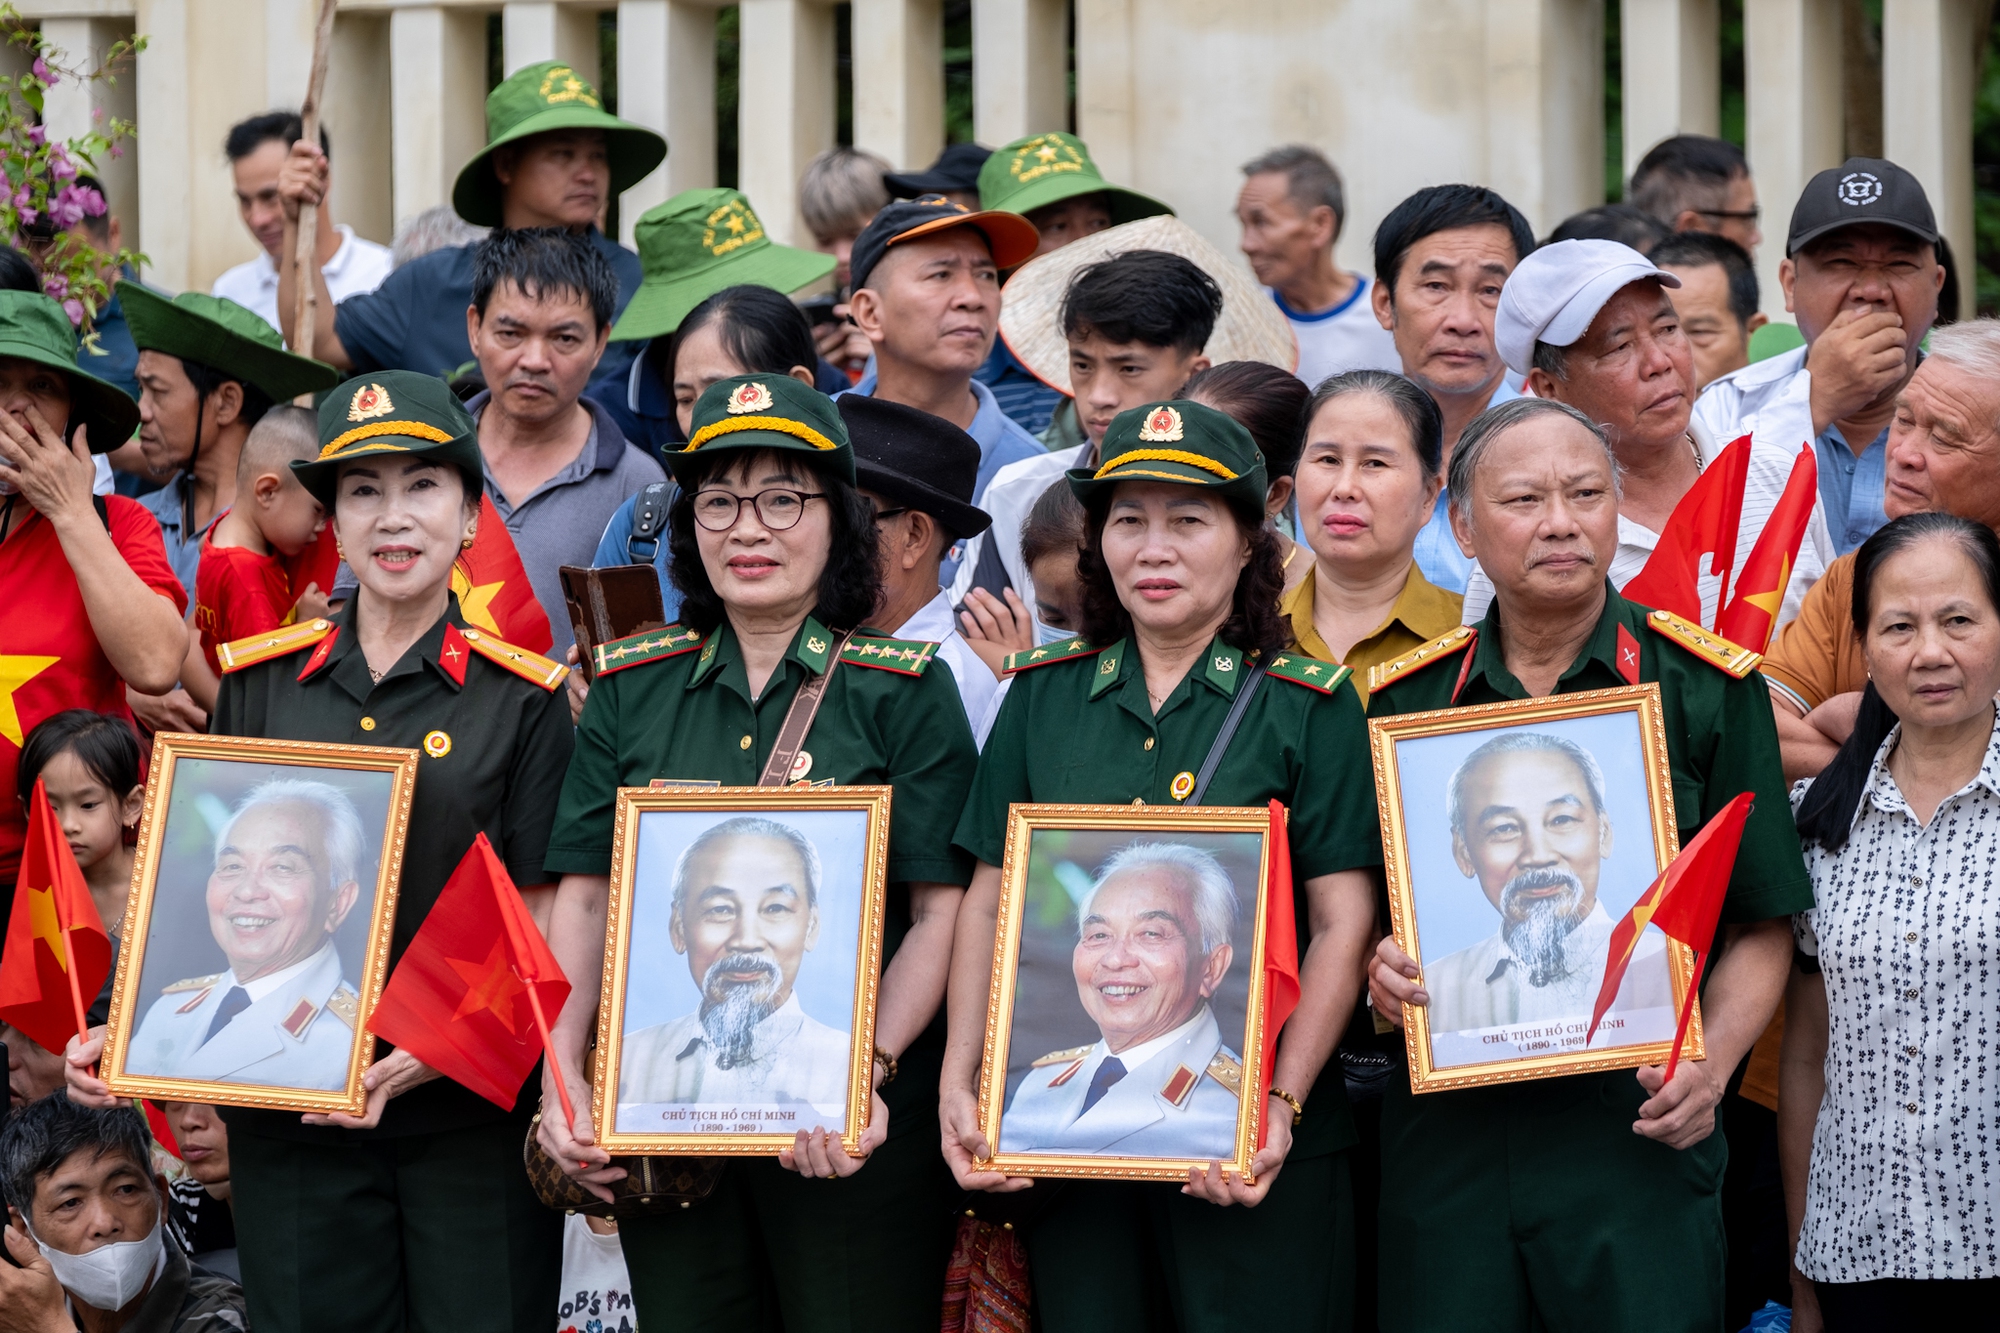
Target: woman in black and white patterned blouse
<point>1889,1106</point>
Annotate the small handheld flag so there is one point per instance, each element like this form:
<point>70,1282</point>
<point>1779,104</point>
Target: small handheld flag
<point>1752,613</point>
<point>57,950</point>
<point>1705,522</point>
<point>493,589</point>
<point>1281,957</point>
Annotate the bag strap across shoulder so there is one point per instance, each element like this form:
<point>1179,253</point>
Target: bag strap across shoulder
<point>799,720</point>
<point>1229,725</point>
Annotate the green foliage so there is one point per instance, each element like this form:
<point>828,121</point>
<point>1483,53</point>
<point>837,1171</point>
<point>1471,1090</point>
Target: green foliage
<point>1986,176</point>
<point>728,62</point>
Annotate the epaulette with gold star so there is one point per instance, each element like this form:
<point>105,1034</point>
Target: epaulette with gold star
<point>240,653</point>
<point>1384,674</point>
<point>1228,1071</point>
<point>1718,652</point>
<point>526,665</point>
<point>1062,1057</point>
<point>906,657</point>
<point>345,1005</point>
<point>1310,672</point>
<point>1045,654</point>
<point>653,646</point>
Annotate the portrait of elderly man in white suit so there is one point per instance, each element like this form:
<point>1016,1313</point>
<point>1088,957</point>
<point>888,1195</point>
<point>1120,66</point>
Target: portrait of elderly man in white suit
<point>287,872</point>
<point>1153,945</point>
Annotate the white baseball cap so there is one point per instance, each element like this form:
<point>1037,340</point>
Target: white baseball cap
<point>1555,292</point>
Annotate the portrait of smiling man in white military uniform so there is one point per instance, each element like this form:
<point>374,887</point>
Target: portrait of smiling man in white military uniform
<point>746,915</point>
<point>1153,945</point>
<point>282,1015</point>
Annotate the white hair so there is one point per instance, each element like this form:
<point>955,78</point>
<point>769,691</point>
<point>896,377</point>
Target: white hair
<point>1521,742</point>
<point>751,826</point>
<point>340,830</point>
<point>1208,885</point>
<point>1972,345</point>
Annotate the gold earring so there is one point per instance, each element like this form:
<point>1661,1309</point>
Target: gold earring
<point>466,544</point>
<point>338,553</point>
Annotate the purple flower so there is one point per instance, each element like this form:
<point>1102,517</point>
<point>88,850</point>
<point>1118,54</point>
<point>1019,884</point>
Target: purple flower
<point>56,285</point>
<point>74,309</point>
<point>44,73</point>
<point>37,134</point>
<point>60,165</point>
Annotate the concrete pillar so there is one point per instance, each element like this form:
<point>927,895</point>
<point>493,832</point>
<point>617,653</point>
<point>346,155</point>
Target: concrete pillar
<point>163,119</point>
<point>1930,54</point>
<point>666,82</point>
<point>1791,72</point>
<point>786,106</point>
<point>1106,113</point>
<point>899,79</point>
<point>437,100</point>
<point>357,120</point>
<point>1544,106</point>
<point>1020,64</point>
<point>1671,60</point>
<point>532,33</point>
<point>74,108</point>
<point>288,44</point>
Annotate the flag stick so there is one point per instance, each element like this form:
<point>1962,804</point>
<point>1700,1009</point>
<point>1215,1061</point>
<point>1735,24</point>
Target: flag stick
<point>307,306</point>
<point>68,963</point>
<point>1687,1012</point>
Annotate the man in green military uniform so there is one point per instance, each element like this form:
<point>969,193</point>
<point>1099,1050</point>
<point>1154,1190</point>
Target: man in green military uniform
<point>1593,1200</point>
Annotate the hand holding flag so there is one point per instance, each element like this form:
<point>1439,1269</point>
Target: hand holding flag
<point>57,950</point>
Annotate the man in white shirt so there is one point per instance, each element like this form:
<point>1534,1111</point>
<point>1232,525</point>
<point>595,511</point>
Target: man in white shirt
<point>257,149</point>
<point>1291,209</point>
<point>1591,324</point>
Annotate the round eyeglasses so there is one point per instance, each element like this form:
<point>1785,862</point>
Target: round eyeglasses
<point>718,510</point>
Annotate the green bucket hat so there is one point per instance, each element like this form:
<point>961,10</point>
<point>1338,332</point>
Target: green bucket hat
<point>696,244</point>
<point>222,334</point>
<point>34,328</point>
<point>535,100</point>
<point>1183,442</point>
<point>1045,169</point>
<point>767,412</point>
<point>393,412</point>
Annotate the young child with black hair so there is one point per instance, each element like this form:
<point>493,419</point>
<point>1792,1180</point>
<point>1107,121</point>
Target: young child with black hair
<point>89,765</point>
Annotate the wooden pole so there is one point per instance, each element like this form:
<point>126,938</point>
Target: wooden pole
<point>303,267</point>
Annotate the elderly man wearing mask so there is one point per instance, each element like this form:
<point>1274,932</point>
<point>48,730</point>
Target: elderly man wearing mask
<point>1499,1176</point>
<point>1591,324</point>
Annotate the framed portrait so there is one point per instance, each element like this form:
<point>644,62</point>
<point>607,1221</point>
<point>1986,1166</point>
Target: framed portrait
<point>1515,837</point>
<point>256,939</point>
<point>743,951</point>
<point>1127,1000</point>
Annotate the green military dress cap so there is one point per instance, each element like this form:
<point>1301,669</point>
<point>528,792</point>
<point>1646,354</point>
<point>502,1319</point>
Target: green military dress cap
<point>1045,169</point>
<point>767,412</point>
<point>696,244</point>
<point>536,100</point>
<point>1182,442</point>
<point>223,335</point>
<point>395,412</point>
<point>34,328</point>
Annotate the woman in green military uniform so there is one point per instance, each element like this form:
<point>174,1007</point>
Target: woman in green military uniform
<point>418,1214</point>
<point>774,554</point>
<point>1181,581</point>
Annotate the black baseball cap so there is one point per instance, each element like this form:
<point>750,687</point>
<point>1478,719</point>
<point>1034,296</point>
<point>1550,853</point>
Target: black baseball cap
<point>1011,237</point>
<point>1861,189</point>
<point>957,168</point>
<point>915,459</point>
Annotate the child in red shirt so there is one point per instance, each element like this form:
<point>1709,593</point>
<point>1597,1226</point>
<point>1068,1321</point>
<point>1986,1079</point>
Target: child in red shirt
<point>244,583</point>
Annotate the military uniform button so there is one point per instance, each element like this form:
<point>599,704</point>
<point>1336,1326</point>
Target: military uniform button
<point>1149,742</point>
<point>745,743</point>
<point>368,724</point>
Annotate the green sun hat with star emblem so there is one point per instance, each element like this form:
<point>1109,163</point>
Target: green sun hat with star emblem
<point>767,412</point>
<point>392,412</point>
<point>536,100</point>
<point>1045,169</point>
<point>222,335</point>
<point>695,245</point>
<point>1182,442</point>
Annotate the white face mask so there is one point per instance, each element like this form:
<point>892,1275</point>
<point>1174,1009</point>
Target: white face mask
<point>108,1277</point>
<point>1047,634</point>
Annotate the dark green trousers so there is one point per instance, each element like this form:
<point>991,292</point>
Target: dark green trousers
<point>1114,1256</point>
<point>1534,1207</point>
<point>429,1233</point>
<point>770,1249</point>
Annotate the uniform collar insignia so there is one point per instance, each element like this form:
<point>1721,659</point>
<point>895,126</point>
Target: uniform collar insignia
<point>813,646</point>
<point>1222,667</point>
<point>1108,673</point>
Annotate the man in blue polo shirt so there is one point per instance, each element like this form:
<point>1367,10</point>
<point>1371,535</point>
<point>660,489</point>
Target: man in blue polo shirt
<point>553,158</point>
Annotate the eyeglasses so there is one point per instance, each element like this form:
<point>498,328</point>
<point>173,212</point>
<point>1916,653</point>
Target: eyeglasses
<point>777,510</point>
<point>897,512</point>
<point>1741,214</point>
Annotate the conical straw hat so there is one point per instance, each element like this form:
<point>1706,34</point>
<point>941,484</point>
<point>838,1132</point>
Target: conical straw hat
<point>1251,327</point>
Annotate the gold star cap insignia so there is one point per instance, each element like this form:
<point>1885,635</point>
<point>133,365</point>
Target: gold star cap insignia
<point>749,398</point>
<point>370,402</point>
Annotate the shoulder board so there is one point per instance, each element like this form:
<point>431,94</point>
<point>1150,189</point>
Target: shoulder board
<point>1042,656</point>
<point>1310,672</point>
<point>1718,652</point>
<point>257,648</point>
<point>651,646</point>
<point>192,983</point>
<point>528,666</point>
<point>344,1005</point>
<point>906,657</point>
<point>1385,674</point>
<point>1063,1057</point>
<point>1227,1071</point>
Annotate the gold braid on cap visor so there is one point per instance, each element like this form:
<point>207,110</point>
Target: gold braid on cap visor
<point>781,425</point>
<point>420,430</point>
<point>1181,456</point>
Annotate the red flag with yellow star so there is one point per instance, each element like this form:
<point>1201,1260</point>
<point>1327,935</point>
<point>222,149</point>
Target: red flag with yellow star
<point>1752,612</point>
<point>471,994</point>
<point>493,588</point>
<point>1281,957</point>
<point>56,951</point>
<point>1705,522</point>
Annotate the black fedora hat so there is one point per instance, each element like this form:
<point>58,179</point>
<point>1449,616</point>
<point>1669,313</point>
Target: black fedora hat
<point>915,459</point>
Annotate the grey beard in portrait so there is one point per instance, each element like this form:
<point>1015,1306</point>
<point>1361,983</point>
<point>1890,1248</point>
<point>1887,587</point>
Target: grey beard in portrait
<point>1537,929</point>
<point>731,1010</point>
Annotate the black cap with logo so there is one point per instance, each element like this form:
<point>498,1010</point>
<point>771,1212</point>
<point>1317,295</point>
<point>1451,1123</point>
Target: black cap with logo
<point>1861,189</point>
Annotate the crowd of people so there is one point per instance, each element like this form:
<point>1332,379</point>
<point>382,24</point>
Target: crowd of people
<point>1009,408</point>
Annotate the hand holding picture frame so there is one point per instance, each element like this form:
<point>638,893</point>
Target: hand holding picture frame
<point>1557,814</point>
<point>256,938</point>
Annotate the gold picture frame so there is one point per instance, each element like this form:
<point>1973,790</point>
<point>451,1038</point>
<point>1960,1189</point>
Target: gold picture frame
<point>656,831</point>
<point>184,818</point>
<point>1062,1082</point>
<point>1420,839</point>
